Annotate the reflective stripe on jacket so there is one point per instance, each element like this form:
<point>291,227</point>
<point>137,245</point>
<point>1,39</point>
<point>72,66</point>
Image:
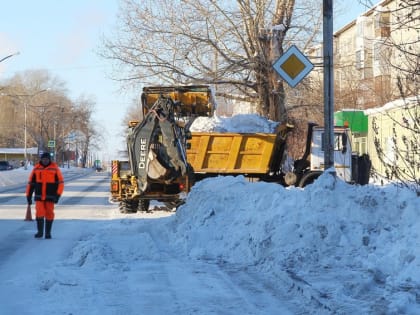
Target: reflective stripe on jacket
<point>46,181</point>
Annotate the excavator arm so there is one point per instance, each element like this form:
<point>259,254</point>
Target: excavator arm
<point>156,146</point>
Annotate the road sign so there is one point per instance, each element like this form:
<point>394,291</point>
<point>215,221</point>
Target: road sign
<point>293,66</point>
<point>51,143</point>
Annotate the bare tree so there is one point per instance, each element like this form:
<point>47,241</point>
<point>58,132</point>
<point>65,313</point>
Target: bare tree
<point>231,44</point>
<point>36,103</point>
<point>24,99</point>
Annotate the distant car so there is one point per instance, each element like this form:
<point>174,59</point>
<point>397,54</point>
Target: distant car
<point>5,166</point>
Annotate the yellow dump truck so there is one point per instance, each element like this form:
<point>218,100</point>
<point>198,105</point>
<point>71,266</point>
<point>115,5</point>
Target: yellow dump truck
<point>261,156</point>
<point>256,155</point>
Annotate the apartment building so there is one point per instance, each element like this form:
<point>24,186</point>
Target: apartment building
<point>374,55</point>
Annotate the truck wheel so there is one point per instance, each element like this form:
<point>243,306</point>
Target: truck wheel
<point>123,206</point>
<point>133,206</point>
<point>128,206</point>
<point>309,178</point>
<point>143,205</point>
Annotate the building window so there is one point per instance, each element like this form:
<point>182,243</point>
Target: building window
<point>382,24</point>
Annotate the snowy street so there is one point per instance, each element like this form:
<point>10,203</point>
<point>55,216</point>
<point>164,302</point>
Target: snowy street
<point>234,247</point>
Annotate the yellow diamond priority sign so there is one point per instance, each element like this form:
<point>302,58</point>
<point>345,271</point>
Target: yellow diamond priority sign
<point>293,66</point>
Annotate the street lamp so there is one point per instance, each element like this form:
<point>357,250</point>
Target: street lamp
<point>25,125</point>
<point>4,58</point>
<point>14,54</point>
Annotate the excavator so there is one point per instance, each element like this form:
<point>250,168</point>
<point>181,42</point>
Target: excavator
<point>156,149</point>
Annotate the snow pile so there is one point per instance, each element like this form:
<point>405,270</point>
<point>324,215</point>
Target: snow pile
<point>241,123</point>
<point>356,245</point>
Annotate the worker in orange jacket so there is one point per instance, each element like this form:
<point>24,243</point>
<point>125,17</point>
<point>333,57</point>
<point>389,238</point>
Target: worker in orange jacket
<point>47,181</point>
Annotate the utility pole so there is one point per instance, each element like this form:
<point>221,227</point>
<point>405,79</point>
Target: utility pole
<point>328,84</point>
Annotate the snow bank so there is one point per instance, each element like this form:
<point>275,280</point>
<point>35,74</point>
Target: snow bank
<point>342,240</point>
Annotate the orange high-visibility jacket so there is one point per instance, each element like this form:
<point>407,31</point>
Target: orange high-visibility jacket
<point>46,181</point>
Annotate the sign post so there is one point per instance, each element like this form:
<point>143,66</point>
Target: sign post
<point>328,84</point>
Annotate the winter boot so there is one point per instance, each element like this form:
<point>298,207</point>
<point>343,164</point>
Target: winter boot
<point>48,225</point>
<point>40,227</point>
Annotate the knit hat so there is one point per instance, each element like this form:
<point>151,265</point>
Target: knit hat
<point>46,155</point>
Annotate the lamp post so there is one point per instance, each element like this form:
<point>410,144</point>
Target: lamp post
<point>14,54</point>
<point>25,153</point>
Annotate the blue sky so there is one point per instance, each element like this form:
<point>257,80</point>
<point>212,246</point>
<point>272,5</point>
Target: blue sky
<point>63,37</point>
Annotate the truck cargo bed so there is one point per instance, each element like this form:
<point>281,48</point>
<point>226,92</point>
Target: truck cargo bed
<point>235,153</point>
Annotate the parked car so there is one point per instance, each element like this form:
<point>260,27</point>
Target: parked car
<point>5,165</point>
